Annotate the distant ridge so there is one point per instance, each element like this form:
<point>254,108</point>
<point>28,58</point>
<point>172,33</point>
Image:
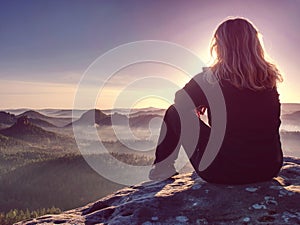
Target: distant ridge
<point>287,108</point>
<point>33,114</point>
<point>143,120</point>
<point>23,129</point>
<point>160,112</point>
<point>295,116</point>
<point>96,116</point>
<point>64,113</point>
<point>89,118</point>
<point>33,117</point>
<point>290,134</point>
<point>42,123</point>
<point>116,119</point>
<point>7,118</point>
<point>43,120</point>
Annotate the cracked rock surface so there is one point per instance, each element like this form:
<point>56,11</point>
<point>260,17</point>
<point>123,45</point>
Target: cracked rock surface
<point>187,199</point>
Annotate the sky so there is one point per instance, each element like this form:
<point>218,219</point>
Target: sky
<point>47,46</point>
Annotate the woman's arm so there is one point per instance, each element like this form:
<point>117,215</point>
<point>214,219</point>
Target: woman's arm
<point>191,96</point>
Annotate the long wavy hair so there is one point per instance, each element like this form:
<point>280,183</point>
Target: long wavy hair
<point>240,57</point>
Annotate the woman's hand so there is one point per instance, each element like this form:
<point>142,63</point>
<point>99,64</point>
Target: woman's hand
<point>200,110</point>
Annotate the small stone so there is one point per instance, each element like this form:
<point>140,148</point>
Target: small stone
<point>206,191</point>
<point>290,215</point>
<point>182,218</point>
<point>259,206</point>
<point>246,219</point>
<point>202,221</point>
<point>276,187</point>
<point>147,223</point>
<point>154,218</point>
<point>285,192</point>
<point>251,189</point>
<point>196,186</point>
<point>282,192</point>
<point>270,200</point>
<point>285,218</point>
<point>198,179</point>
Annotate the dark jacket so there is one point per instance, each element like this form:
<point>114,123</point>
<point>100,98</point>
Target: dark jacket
<point>251,148</point>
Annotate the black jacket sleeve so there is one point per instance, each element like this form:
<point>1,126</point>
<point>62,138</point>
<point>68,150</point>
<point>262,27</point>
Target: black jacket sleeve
<point>191,95</point>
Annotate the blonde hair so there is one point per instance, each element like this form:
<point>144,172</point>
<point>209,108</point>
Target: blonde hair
<point>240,56</point>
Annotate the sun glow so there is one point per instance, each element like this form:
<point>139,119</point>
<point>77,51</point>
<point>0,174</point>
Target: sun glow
<point>152,101</point>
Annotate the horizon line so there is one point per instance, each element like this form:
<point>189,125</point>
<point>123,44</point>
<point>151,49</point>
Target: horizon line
<point>24,108</point>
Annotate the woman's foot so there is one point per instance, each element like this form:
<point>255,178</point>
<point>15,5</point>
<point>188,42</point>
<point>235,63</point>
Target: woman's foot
<point>162,172</point>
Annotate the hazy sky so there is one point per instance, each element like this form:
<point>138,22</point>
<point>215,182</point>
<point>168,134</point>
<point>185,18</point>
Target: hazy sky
<point>45,46</point>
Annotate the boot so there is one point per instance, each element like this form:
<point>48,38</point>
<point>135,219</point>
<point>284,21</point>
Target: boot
<point>162,172</point>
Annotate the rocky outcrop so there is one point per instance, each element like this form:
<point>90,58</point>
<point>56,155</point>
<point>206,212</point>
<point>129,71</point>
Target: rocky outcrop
<point>7,118</point>
<point>187,199</point>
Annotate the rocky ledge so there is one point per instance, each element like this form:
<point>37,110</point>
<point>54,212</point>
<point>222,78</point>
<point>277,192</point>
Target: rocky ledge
<point>187,199</point>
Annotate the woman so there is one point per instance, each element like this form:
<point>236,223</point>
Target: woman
<point>251,148</point>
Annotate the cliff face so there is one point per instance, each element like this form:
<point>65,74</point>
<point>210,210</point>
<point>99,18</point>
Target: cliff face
<point>187,199</point>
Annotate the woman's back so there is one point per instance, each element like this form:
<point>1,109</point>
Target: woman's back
<point>251,147</point>
<point>251,113</point>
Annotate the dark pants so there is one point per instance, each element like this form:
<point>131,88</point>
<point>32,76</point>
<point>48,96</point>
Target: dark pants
<point>223,169</point>
<point>170,140</point>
